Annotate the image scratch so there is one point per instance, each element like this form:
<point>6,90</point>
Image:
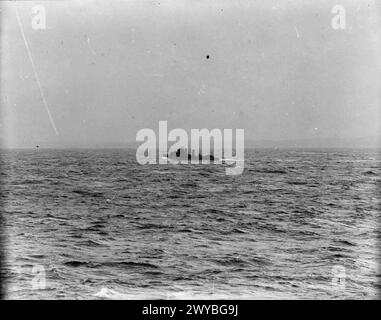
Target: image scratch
<point>90,46</point>
<point>297,32</point>
<point>35,72</point>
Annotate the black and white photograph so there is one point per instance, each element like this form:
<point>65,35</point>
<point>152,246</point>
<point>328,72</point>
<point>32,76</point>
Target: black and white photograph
<point>190,150</point>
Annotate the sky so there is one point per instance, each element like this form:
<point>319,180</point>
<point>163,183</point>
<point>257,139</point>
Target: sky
<point>110,68</point>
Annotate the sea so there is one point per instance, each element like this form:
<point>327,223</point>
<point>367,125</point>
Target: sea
<point>95,224</point>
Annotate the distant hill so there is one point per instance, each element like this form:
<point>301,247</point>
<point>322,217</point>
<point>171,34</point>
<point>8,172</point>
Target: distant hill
<point>363,142</point>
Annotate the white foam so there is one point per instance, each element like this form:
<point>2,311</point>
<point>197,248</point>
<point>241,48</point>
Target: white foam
<point>110,294</point>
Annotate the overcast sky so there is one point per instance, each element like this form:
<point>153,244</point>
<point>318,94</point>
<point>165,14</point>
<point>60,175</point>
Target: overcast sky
<point>108,68</point>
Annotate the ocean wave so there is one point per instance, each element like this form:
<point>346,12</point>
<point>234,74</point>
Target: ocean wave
<point>191,231</point>
<point>112,264</point>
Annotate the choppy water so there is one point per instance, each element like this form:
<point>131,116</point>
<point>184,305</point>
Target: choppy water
<point>102,226</point>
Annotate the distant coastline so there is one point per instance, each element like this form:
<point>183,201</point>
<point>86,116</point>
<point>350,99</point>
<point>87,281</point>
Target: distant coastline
<point>373,142</point>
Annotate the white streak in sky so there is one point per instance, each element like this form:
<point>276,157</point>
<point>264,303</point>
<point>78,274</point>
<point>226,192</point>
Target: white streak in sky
<point>35,72</point>
<point>297,32</point>
<point>90,46</point>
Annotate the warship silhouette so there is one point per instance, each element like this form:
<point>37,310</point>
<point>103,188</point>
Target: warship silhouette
<point>182,154</point>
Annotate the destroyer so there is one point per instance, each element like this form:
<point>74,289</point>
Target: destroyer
<point>222,147</point>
